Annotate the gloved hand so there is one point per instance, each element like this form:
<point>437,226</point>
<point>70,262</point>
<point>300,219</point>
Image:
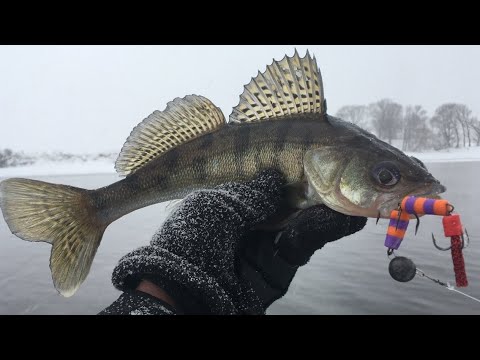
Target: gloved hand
<point>271,259</point>
<point>209,259</point>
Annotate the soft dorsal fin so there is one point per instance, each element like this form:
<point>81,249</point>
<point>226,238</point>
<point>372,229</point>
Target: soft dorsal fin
<point>182,120</point>
<point>287,87</point>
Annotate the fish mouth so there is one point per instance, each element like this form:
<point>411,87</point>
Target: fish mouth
<point>432,193</point>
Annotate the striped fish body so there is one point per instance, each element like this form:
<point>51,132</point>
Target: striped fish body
<point>232,153</point>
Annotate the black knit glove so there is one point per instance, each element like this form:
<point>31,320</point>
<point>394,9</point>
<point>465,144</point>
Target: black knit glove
<point>312,229</point>
<point>271,259</point>
<point>193,256</point>
<point>209,259</point>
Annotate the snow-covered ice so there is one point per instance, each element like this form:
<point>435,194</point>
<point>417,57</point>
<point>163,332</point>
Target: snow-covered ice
<point>449,155</point>
<point>105,166</point>
<point>60,168</point>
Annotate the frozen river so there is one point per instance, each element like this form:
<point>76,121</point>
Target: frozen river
<point>349,276</point>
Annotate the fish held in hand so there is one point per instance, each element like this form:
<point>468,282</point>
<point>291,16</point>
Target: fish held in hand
<point>281,122</point>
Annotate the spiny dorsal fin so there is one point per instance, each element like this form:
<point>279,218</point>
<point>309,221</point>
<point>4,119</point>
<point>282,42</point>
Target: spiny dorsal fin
<point>182,120</point>
<point>287,87</point>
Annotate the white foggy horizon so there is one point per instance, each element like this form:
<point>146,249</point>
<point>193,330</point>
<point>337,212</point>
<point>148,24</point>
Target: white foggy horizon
<point>88,98</point>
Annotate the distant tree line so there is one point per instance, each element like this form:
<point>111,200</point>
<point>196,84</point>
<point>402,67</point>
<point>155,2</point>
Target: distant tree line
<point>10,158</point>
<point>452,125</point>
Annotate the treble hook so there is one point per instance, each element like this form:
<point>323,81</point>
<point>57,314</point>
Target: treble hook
<point>417,224</point>
<point>398,218</point>
<point>465,244</point>
<point>468,240</point>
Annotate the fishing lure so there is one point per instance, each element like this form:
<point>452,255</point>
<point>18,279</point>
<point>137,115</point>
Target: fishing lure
<point>424,206</point>
<point>401,268</point>
<point>396,229</point>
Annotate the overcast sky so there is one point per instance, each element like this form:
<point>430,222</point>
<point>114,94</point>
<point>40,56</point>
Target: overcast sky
<point>88,98</point>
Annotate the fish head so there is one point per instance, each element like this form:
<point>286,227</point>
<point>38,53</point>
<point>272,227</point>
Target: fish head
<point>361,175</point>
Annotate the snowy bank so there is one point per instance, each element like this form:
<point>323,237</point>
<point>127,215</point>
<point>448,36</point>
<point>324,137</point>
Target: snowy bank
<point>106,166</point>
<point>449,155</point>
<point>42,168</point>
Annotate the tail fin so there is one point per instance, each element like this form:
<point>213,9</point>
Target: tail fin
<point>61,215</point>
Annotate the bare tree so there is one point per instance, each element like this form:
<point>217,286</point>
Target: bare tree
<point>464,117</point>
<point>463,123</point>
<point>444,126</point>
<point>386,119</point>
<point>5,158</point>
<point>356,114</point>
<point>453,123</point>
<point>416,134</point>
<point>475,126</point>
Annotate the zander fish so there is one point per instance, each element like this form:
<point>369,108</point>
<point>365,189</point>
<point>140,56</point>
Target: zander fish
<point>281,122</point>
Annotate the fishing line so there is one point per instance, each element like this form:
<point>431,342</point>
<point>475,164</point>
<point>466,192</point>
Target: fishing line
<point>446,285</point>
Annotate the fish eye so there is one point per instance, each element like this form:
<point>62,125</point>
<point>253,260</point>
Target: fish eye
<point>386,173</point>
